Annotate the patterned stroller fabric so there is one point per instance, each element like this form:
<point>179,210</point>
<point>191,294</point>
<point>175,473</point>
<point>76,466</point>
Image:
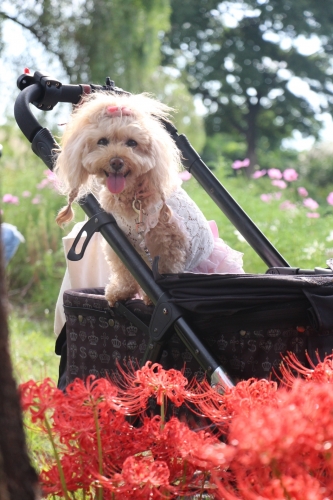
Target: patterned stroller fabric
<point>248,322</point>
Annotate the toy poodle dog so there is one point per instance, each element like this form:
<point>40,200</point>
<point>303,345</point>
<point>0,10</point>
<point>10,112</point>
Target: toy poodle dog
<point>117,147</point>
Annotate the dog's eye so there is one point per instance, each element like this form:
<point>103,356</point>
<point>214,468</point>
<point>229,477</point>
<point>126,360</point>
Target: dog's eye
<point>103,142</point>
<point>131,143</point>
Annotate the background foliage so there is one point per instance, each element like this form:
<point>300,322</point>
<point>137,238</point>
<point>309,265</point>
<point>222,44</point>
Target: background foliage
<point>252,63</point>
<point>231,69</point>
<point>241,56</point>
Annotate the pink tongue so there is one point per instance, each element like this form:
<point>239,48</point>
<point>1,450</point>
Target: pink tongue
<point>115,183</point>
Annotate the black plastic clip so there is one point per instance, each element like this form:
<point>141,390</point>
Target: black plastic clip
<point>92,226</point>
<point>164,316</point>
<point>124,311</point>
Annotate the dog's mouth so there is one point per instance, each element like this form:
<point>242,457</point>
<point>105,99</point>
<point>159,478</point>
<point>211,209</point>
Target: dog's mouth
<point>115,181</point>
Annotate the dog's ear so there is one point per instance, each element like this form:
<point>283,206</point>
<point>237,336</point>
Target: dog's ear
<point>71,173</point>
<point>168,161</point>
<point>69,163</point>
<point>66,213</point>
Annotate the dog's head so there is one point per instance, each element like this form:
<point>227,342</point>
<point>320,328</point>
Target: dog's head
<point>114,140</point>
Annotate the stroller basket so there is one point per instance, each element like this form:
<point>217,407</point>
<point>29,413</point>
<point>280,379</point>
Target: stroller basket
<point>237,322</point>
<point>248,321</point>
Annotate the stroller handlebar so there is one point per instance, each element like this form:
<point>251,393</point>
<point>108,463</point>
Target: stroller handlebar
<point>45,92</point>
<point>23,115</point>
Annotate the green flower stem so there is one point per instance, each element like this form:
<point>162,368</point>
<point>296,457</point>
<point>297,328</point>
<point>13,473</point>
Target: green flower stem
<point>162,413</point>
<point>100,452</point>
<point>81,462</point>
<point>184,478</point>
<point>56,455</point>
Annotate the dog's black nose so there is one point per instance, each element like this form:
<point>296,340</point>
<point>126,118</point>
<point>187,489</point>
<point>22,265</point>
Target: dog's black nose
<point>116,164</point>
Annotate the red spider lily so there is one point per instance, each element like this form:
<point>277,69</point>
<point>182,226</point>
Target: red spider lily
<point>190,455</point>
<point>76,416</point>
<point>75,473</point>
<point>283,488</point>
<point>283,445</point>
<point>321,372</point>
<point>91,393</point>
<point>141,476</point>
<point>279,441</point>
<point>137,470</point>
<point>241,398</point>
<point>151,380</point>
<point>39,398</point>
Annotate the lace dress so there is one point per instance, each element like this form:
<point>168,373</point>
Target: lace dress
<point>207,252</point>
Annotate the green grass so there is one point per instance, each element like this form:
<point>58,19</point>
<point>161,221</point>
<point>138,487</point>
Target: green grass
<point>35,273</point>
<point>32,348</point>
<point>302,241</point>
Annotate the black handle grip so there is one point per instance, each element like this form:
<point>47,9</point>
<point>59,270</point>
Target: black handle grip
<point>23,115</point>
<point>44,145</point>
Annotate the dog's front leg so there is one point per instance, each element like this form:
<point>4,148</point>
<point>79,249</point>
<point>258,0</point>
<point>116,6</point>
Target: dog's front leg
<point>122,285</point>
<point>170,243</point>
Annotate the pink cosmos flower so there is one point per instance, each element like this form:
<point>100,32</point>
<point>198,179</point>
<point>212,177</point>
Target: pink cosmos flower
<point>287,205</point>
<point>50,180</point>
<point>185,175</point>
<point>310,203</point>
<point>313,215</point>
<point>43,183</point>
<point>302,192</point>
<point>9,198</point>
<point>241,163</point>
<point>259,173</point>
<point>50,175</point>
<point>26,194</point>
<point>279,183</point>
<point>274,173</point>
<point>36,200</point>
<point>290,175</point>
<point>266,197</point>
<point>330,199</point>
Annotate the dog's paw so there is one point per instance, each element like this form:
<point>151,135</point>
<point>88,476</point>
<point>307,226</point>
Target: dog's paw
<point>113,295</point>
<point>146,300</point>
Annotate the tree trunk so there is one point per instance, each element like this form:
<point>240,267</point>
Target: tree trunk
<point>18,479</point>
<point>251,136</point>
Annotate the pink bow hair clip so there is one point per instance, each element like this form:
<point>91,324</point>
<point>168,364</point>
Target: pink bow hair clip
<point>118,111</point>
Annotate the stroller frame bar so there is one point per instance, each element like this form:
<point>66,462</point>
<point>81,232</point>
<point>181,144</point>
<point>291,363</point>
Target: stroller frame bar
<point>242,222</point>
<point>44,93</point>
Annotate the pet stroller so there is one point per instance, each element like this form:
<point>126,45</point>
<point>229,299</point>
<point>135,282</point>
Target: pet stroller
<point>224,327</point>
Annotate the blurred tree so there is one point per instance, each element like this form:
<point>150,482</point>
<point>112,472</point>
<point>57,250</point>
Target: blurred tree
<point>316,166</point>
<point>170,89</point>
<point>97,38</point>
<point>250,62</point>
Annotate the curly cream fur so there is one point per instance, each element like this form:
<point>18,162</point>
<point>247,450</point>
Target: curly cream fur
<point>90,118</point>
<point>150,168</point>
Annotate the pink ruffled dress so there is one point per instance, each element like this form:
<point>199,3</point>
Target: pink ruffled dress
<point>208,253</point>
<point>223,259</point>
